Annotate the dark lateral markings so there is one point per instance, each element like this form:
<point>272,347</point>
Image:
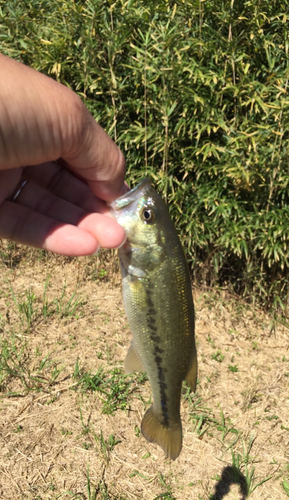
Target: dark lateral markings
<point>158,351</point>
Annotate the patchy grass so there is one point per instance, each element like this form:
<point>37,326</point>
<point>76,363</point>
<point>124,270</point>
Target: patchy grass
<point>70,418</point>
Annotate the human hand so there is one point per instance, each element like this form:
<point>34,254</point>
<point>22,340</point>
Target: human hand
<point>61,207</point>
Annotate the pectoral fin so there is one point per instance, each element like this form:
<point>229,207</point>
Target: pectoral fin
<point>132,362</point>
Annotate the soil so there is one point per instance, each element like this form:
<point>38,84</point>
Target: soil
<point>60,440</point>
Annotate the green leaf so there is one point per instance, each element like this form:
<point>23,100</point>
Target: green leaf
<point>285,485</point>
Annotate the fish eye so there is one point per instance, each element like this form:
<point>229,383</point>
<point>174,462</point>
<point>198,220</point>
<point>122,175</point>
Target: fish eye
<point>147,215</point>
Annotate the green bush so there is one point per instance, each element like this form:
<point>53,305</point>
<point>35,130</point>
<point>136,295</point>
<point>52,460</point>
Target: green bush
<point>196,94</point>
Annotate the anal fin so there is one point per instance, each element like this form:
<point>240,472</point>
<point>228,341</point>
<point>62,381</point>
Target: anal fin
<point>191,377</point>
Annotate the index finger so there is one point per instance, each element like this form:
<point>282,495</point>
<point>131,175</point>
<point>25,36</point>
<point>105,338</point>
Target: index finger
<point>97,159</point>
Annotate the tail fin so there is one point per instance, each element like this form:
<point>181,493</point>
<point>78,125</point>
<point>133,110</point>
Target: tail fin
<point>168,438</point>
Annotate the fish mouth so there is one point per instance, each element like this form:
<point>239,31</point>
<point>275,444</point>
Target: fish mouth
<point>129,197</point>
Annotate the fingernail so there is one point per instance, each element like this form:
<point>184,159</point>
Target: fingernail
<point>117,248</point>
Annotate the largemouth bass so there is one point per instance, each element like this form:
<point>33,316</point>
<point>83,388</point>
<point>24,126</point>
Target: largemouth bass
<point>159,306</point>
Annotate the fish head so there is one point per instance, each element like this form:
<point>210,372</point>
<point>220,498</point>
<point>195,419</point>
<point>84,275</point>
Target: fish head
<point>146,220</point>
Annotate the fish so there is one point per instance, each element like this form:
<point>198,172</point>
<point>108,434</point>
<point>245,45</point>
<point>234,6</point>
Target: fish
<point>158,301</point>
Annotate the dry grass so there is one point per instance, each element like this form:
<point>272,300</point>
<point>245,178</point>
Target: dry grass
<point>62,322</point>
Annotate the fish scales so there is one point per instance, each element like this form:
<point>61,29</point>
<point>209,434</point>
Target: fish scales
<point>159,306</point>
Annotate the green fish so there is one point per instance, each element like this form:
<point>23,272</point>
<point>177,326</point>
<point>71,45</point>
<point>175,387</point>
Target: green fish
<point>159,306</point>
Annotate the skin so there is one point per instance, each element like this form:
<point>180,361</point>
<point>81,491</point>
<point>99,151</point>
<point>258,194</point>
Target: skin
<point>48,137</point>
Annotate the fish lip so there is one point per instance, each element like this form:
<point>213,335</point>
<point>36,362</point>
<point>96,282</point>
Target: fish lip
<point>129,197</point>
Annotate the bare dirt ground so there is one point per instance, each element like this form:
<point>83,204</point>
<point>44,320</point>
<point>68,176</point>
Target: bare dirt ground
<point>70,419</point>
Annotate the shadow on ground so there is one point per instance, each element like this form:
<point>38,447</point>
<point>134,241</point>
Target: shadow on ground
<point>230,475</point>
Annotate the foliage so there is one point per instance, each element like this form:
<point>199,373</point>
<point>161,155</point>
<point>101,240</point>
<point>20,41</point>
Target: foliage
<point>196,94</point>
<point>113,386</point>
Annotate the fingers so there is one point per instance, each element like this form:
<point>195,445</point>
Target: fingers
<point>52,211</point>
<point>9,179</point>
<point>43,201</point>
<point>63,184</point>
<point>98,160</point>
<point>23,225</point>
<point>41,230</point>
<point>42,120</point>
